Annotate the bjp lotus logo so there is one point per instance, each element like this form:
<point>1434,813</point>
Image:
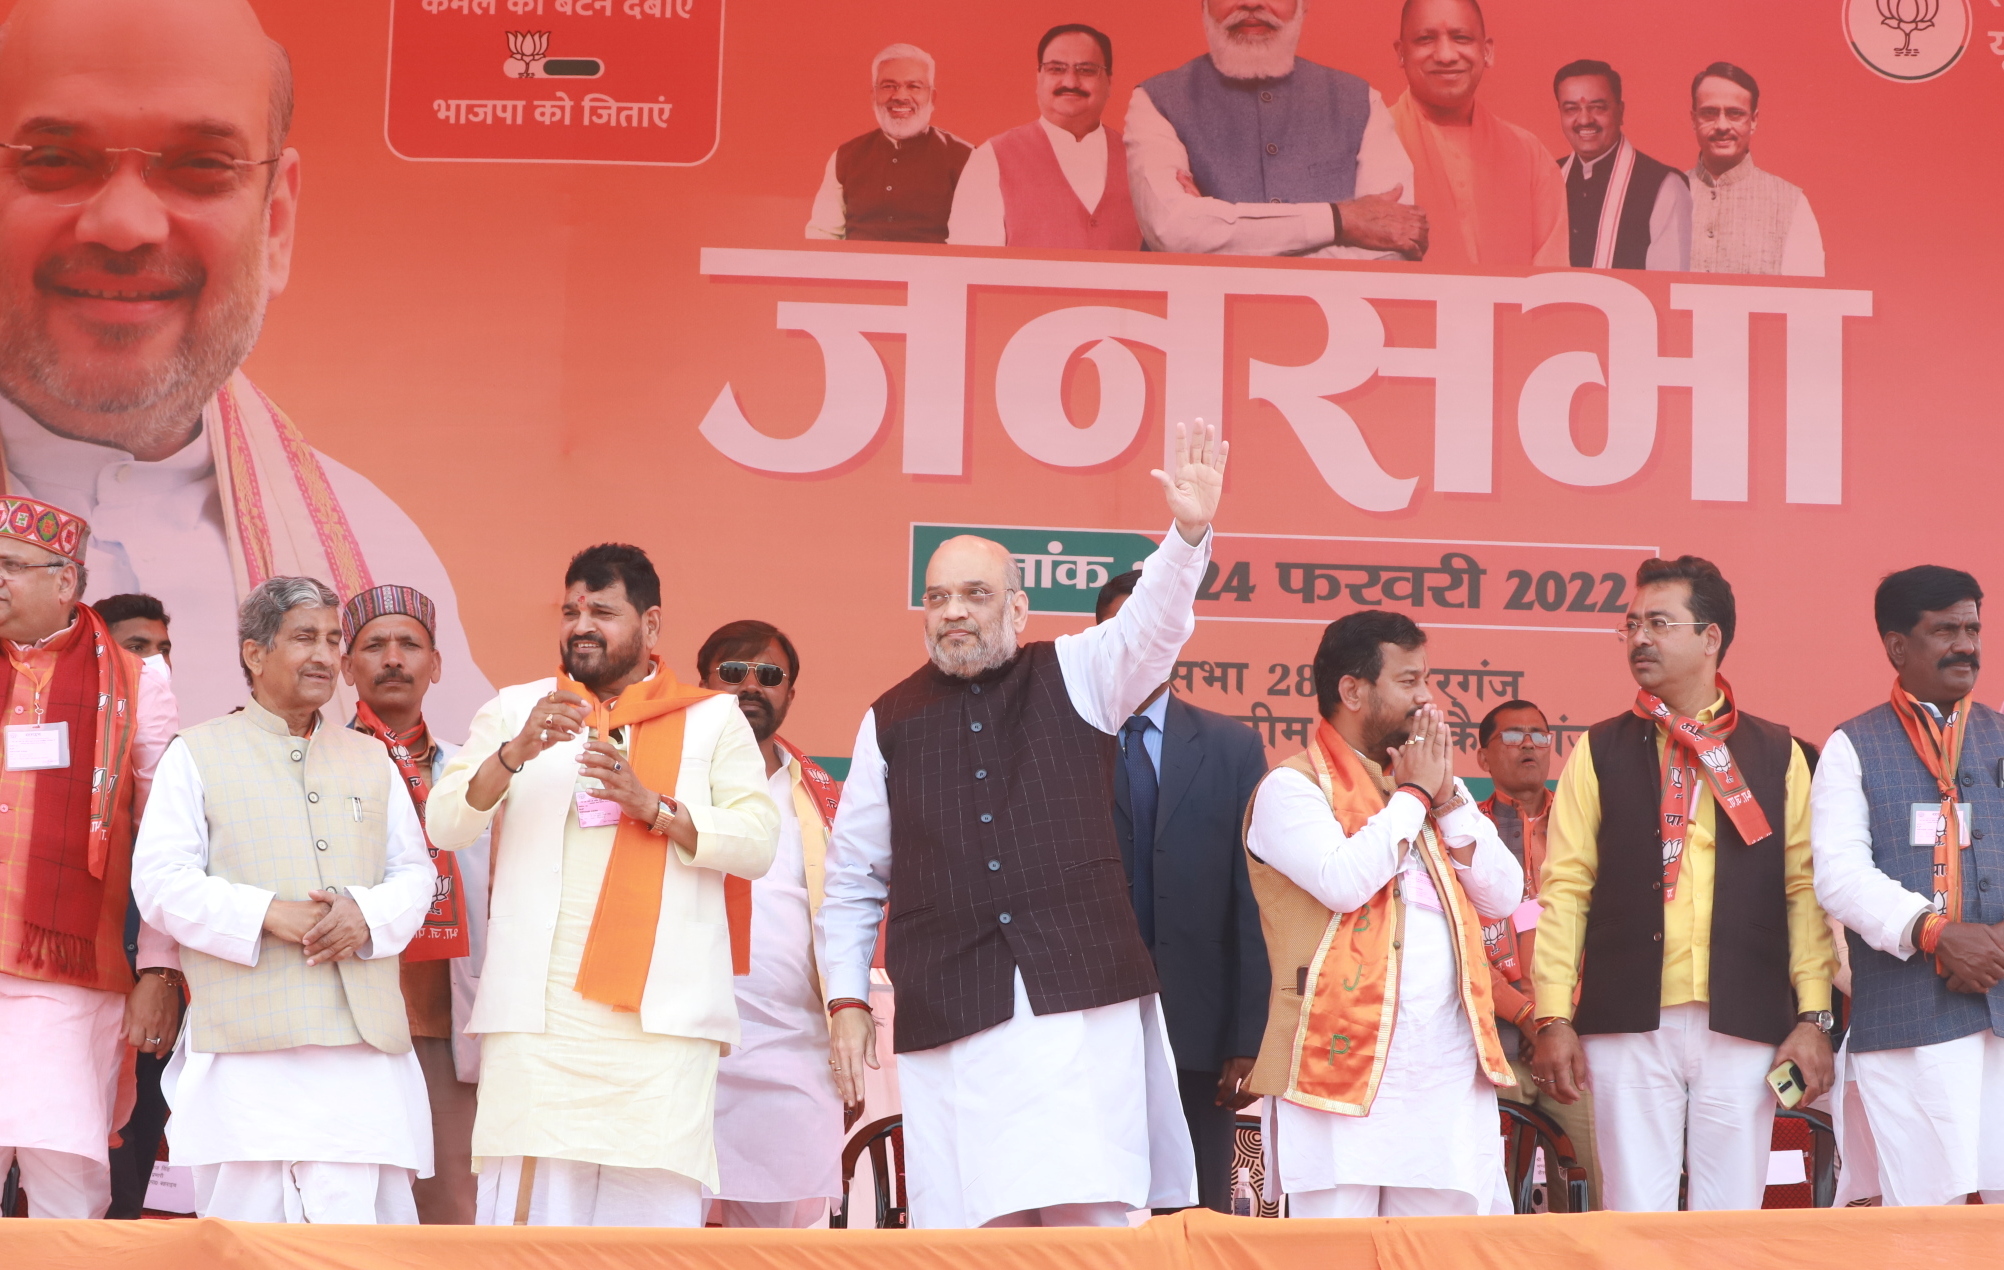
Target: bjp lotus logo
<point>527,49</point>
<point>1907,40</point>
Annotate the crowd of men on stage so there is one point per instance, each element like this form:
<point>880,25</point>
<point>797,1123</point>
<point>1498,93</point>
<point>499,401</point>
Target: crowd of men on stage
<point>610,961</point>
<point>1249,149</point>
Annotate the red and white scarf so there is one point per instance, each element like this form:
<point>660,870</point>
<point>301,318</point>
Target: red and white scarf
<point>1697,750</point>
<point>443,934</point>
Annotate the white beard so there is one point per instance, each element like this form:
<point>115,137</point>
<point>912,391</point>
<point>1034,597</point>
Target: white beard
<point>994,648</point>
<point>1269,57</point>
<point>904,129</point>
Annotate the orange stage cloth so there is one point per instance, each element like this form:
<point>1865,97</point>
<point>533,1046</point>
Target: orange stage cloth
<point>1781,1240</point>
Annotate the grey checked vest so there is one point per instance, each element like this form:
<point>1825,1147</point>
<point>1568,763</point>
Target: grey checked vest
<point>291,815</point>
<point>1287,140</point>
<point>1005,853</point>
<point>1901,1004</point>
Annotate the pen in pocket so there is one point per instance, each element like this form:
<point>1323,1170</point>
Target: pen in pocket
<point>355,806</point>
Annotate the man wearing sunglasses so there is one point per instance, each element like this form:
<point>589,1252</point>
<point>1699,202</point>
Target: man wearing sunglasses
<point>779,1120</point>
<point>1038,1084</point>
<point>1061,179</point>
<point>1514,745</point>
<point>1681,955</point>
<point>148,208</point>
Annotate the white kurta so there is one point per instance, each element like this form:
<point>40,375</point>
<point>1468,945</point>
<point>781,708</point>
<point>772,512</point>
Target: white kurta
<point>779,1119</point>
<point>346,1104</point>
<point>1433,1123</point>
<point>1934,1113</point>
<point>1172,219</point>
<point>157,528</point>
<point>67,1042</point>
<point>975,1152</point>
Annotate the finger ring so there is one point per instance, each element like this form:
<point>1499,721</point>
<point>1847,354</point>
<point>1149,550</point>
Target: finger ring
<point>543,736</point>
<point>152,1040</point>
<point>615,767</point>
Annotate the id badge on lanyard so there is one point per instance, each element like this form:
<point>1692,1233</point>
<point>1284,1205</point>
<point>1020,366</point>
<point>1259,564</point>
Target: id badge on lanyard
<point>1927,823</point>
<point>35,747</point>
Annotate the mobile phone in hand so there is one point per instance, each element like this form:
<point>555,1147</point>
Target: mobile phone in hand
<point>1787,1083</point>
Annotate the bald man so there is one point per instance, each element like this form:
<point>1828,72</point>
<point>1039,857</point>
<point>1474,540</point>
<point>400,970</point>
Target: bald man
<point>1492,194</point>
<point>1038,1084</point>
<point>148,203</point>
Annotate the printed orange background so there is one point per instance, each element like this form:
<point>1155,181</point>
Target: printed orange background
<point>520,354</point>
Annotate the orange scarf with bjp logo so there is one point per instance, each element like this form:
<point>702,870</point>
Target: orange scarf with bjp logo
<point>1352,986</point>
<point>620,946</point>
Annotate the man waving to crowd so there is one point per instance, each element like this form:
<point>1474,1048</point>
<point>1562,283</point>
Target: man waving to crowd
<point>1033,1063</point>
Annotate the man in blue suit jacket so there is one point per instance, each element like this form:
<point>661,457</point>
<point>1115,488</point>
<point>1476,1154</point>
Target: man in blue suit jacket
<point>1184,779</point>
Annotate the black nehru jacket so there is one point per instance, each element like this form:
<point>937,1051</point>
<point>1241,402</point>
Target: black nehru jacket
<point>1587,195</point>
<point>1621,974</point>
<point>899,191</point>
<point>1001,803</point>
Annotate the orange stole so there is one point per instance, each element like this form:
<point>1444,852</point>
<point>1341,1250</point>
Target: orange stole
<point>620,946</point>
<point>1345,1034</point>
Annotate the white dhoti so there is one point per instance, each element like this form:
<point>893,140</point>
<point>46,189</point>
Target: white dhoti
<point>1681,1099</point>
<point>317,1133</point>
<point>577,1193</point>
<point>1430,1145</point>
<point>1043,1111</point>
<point>60,1062</point>
<point>1937,1119</point>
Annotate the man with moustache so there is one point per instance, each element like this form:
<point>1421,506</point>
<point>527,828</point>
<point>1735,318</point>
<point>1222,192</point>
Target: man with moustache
<point>1489,189</point>
<point>1060,181</point>
<point>1908,806</point>
<point>1744,219</point>
<point>605,999</point>
<point>148,207</point>
<point>138,625</point>
<point>1375,873</point>
<point>1253,151</point>
<point>894,183</point>
<point>86,725</point>
<point>1037,1082</point>
<point>779,1119</point>
<point>283,853</point>
<point>1514,745</point>
<point>1681,955</point>
<point>1624,210</point>
<point>392,662</point>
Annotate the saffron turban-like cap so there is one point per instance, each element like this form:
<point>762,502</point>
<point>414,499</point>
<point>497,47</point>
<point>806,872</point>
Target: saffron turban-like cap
<point>384,600</point>
<point>46,526</point>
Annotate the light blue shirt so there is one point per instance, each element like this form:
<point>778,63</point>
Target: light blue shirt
<point>1151,740</point>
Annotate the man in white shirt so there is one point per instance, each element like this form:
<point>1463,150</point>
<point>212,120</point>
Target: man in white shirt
<point>1255,152</point>
<point>131,290</point>
<point>1908,829</point>
<point>779,1119</point>
<point>1060,181</point>
<point>1036,1075</point>
<point>283,852</point>
<point>1375,872</point>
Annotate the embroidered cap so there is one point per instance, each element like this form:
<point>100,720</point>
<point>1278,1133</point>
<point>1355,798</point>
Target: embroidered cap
<point>46,526</point>
<point>384,600</point>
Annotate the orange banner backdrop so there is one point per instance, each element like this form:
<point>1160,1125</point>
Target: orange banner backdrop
<point>542,305</point>
<point>1197,1240</point>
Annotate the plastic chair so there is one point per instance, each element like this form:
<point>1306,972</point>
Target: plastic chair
<point>1806,1129</point>
<point>1527,1131</point>
<point>885,1141</point>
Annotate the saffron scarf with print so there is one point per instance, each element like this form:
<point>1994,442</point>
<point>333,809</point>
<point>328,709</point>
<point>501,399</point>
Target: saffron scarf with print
<point>1698,751</point>
<point>444,933</point>
<point>1940,751</point>
<point>620,947</point>
<point>83,811</point>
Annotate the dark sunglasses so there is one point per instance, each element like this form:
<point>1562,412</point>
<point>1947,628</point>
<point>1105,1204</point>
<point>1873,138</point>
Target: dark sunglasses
<point>734,672</point>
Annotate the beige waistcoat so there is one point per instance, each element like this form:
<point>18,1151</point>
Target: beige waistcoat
<point>291,815</point>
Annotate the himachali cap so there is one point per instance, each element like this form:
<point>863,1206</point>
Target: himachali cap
<point>46,526</point>
<point>384,600</point>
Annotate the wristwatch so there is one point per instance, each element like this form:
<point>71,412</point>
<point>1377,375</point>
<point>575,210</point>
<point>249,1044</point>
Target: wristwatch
<point>1823,1019</point>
